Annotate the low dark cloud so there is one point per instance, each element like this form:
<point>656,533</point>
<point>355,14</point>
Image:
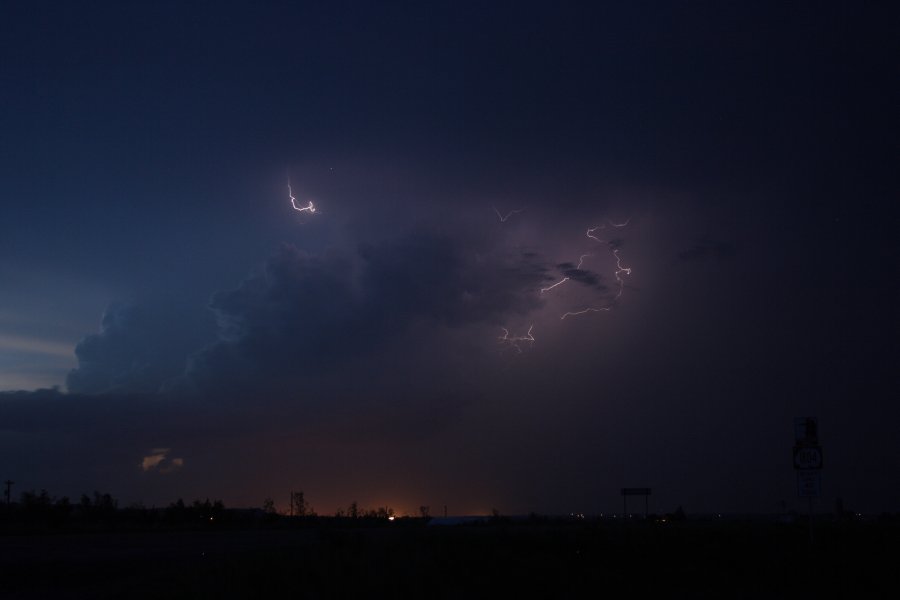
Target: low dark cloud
<point>584,277</point>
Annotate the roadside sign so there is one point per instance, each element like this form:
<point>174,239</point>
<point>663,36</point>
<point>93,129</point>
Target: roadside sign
<point>645,492</point>
<point>806,431</point>
<point>807,457</point>
<point>808,462</point>
<point>809,483</point>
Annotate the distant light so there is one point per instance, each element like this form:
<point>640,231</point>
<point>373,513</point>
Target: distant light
<point>210,518</point>
<point>391,518</point>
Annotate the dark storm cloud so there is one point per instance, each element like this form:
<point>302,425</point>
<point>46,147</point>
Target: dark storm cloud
<point>50,411</point>
<point>582,276</point>
<point>138,347</point>
<point>304,312</point>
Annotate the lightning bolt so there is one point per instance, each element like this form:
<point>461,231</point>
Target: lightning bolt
<point>620,270</point>
<point>513,341</point>
<point>565,279</point>
<point>311,208</point>
<point>508,215</point>
<point>560,282</point>
<point>590,232</point>
<point>582,312</point>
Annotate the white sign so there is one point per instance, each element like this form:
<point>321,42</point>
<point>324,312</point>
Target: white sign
<point>809,483</point>
<point>806,431</point>
<point>807,458</point>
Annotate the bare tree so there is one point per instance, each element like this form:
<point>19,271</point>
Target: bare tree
<point>268,506</point>
<point>299,506</point>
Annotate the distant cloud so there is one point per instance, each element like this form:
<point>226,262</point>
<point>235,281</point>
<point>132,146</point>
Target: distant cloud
<point>35,345</point>
<point>158,461</point>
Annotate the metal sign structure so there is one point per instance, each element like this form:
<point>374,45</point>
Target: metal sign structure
<point>806,431</point>
<point>807,457</point>
<point>645,492</point>
<point>808,462</point>
<point>809,483</point>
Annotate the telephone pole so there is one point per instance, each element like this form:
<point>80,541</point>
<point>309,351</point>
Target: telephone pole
<point>9,485</point>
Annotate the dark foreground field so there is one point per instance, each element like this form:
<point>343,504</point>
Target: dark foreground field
<point>542,560</point>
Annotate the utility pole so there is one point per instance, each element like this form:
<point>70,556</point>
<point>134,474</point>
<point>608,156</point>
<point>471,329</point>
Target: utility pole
<point>9,485</point>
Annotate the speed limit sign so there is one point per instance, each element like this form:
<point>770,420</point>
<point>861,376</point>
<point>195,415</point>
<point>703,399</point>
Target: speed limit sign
<point>807,457</point>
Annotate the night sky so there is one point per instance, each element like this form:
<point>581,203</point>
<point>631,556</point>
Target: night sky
<point>715,180</point>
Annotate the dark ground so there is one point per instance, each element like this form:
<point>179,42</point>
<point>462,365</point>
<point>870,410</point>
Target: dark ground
<point>691,559</point>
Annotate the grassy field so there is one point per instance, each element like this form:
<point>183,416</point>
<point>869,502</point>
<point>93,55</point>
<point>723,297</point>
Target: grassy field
<point>541,559</point>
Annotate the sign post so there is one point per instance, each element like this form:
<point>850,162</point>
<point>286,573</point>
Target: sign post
<point>645,492</point>
<point>808,462</point>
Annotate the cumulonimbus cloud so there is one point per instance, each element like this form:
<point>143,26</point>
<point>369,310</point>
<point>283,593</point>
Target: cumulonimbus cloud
<point>303,311</point>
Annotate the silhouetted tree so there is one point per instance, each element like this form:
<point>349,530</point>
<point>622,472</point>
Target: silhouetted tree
<point>353,510</point>
<point>206,510</point>
<point>41,507</point>
<point>299,506</point>
<point>268,506</point>
<point>104,506</point>
<point>32,502</point>
<point>496,517</point>
<point>382,512</point>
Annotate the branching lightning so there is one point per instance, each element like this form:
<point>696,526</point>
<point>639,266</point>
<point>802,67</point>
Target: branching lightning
<point>620,270</point>
<point>508,215</point>
<point>558,283</point>
<point>514,341</point>
<point>565,279</point>
<point>582,312</point>
<point>311,208</point>
<point>590,232</point>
